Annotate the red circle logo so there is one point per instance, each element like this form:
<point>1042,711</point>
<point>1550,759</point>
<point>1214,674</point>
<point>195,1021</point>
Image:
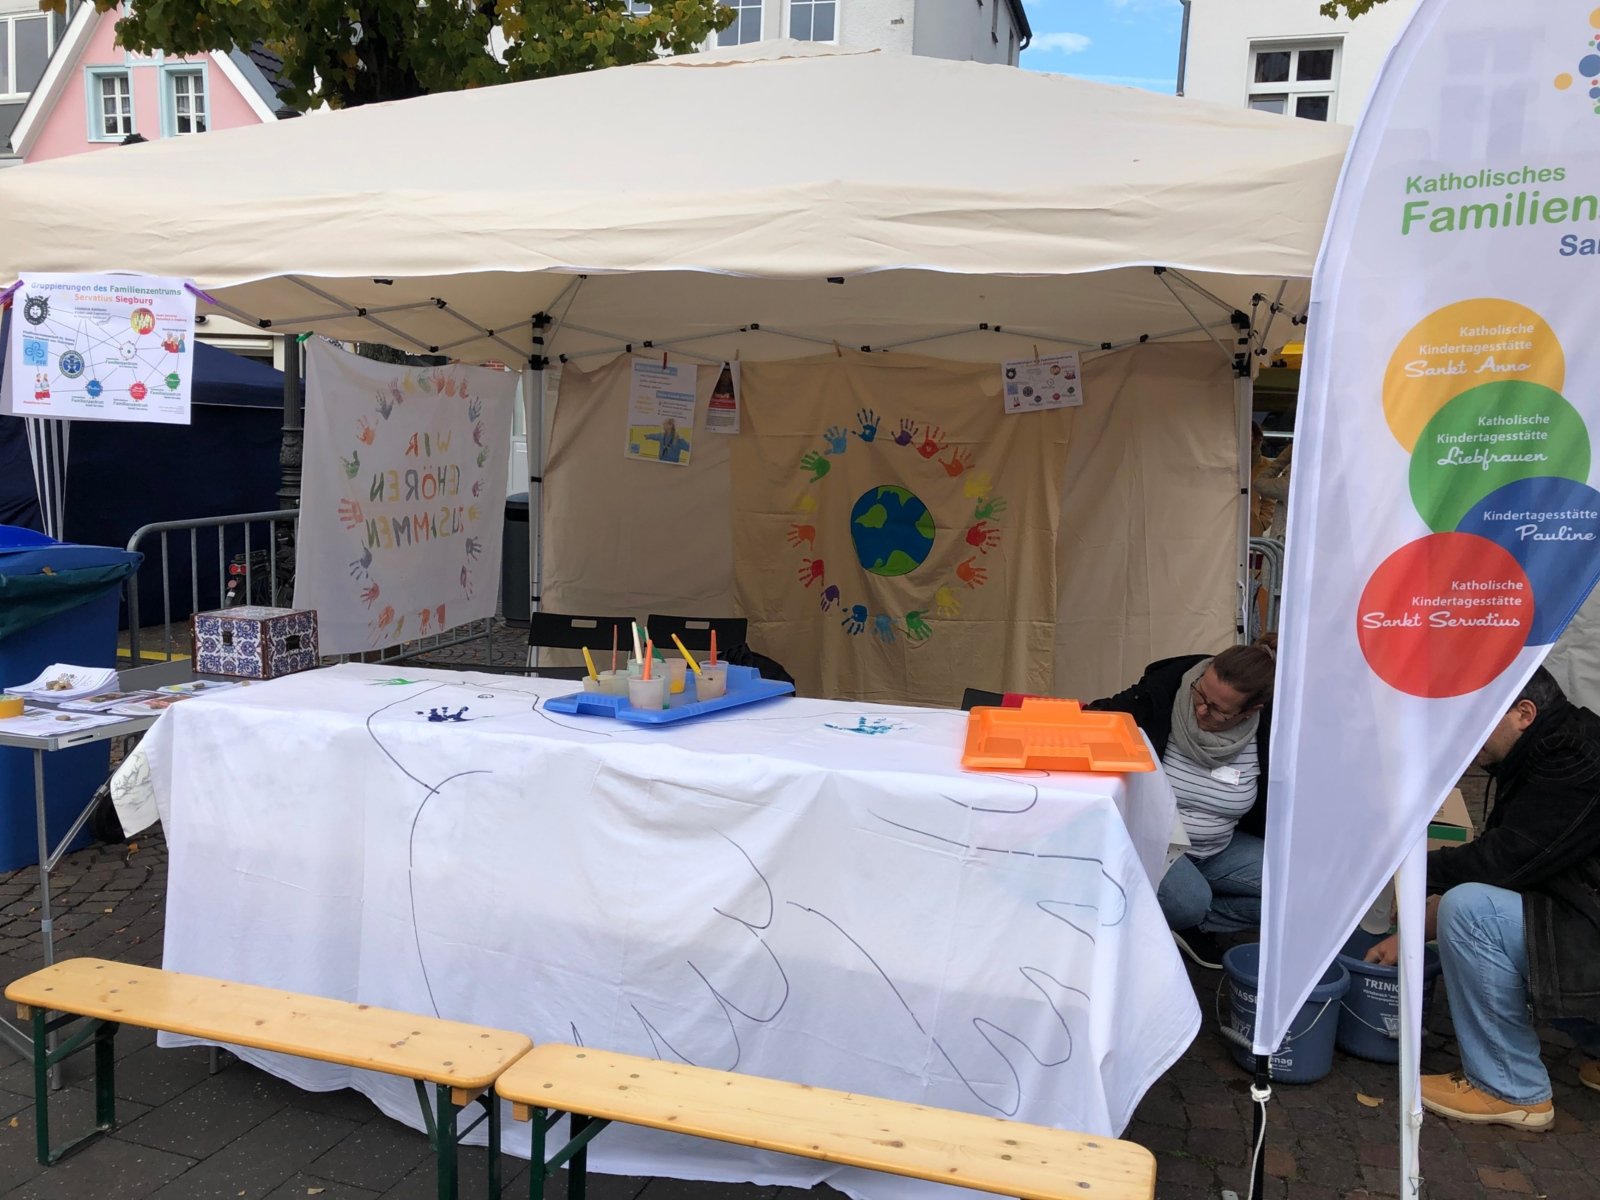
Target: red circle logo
<point>1444,615</point>
<point>137,391</point>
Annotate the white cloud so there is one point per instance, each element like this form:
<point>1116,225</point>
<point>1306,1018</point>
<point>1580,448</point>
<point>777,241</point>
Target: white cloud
<point>1066,43</point>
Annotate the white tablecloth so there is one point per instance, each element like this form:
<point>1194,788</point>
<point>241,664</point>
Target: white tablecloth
<point>802,889</point>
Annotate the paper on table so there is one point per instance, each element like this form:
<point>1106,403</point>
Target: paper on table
<point>50,722</point>
<point>104,701</point>
<point>151,707</point>
<point>197,687</point>
<point>63,681</point>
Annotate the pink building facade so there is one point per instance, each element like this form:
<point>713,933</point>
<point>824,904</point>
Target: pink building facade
<point>95,94</point>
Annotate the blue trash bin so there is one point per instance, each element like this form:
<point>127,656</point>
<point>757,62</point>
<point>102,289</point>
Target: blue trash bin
<point>58,603</point>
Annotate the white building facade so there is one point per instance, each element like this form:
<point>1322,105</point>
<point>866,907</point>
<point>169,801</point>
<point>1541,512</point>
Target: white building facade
<point>1284,56</point>
<point>990,31</point>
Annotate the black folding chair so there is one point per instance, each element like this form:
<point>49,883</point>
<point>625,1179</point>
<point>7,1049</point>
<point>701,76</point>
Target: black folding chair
<point>567,631</point>
<point>696,631</point>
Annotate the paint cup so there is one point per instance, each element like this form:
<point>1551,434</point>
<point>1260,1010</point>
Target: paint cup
<point>612,683</point>
<point>712,683</point>
<point>677,670</point>
<point>648,693</point>
<point>635,668</point>
<point>591,684</point>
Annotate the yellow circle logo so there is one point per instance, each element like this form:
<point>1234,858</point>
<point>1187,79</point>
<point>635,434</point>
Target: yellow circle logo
<point>1462,346</point>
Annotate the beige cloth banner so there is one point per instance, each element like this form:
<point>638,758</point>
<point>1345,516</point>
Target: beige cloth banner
<point>1148,549</point>
<point>893,529</point>
<point>628,537</point>
<point>1141,566</point>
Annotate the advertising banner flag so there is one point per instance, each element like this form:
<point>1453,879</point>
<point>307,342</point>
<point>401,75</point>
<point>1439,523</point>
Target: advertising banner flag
<point>403,497</point>
<point>101,348</point>
<point>1443,519</point>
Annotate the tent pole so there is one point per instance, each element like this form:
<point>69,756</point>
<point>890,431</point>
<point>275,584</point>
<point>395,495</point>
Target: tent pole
<point>533,399</point>
<point>1244,403</point>
<point>1410,899</point>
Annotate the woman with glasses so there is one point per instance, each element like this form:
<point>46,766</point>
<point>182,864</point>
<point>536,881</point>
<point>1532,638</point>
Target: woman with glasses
<point>1209,719</point>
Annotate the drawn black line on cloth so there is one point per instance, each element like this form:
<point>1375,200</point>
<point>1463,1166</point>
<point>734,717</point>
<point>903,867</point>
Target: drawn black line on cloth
<point>429,792</point>
<point>727,1006</point>
<point>981,1024</point>
<point>1032,802</point>
<point>1122,892</point>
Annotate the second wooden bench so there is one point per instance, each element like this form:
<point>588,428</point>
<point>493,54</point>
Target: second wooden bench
<point>991,1154</point>
<point>460,1061</point>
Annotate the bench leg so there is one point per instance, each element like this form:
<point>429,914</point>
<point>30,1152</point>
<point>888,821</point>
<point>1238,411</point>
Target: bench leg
<point>446,1141</point>
<point>578,1168</point>
<point>491,1102</point>
<point>581,1130</point>
<point>46,1058</point>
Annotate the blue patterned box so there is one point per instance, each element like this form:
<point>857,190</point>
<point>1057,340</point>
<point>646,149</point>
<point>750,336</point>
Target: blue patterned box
<point>254,642</point>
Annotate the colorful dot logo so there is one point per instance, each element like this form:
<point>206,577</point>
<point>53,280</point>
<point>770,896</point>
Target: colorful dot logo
<point>1588,65</point>
<point>142,321</point>
<point>172,381</point>
<point>1499,467</point>
<point>137,391</point>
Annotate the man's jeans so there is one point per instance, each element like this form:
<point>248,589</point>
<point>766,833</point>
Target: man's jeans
<point>1485,958</point>
<point>1220,894</point>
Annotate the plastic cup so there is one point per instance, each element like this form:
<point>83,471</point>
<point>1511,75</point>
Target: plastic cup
<point>635,668</point>
<point>713,682</point>
<point>648,693</point>
<point>591,684</point>
<point>612,683</point>
<point>677,669</point>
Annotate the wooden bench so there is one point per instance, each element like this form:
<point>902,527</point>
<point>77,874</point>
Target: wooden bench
<point>460,1061</point>
<point>1031,1162</point>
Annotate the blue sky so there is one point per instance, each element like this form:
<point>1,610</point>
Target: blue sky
<point>1131,42</point>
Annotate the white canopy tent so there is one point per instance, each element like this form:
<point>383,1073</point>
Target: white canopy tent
<point>768,201</point>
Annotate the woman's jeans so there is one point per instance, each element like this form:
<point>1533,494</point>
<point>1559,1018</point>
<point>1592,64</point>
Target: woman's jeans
<point>1219,894</point>
<point>1485,957</point>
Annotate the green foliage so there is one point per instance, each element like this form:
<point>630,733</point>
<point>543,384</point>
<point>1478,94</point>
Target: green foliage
<point>349,52</point>
<point>1348,8</point>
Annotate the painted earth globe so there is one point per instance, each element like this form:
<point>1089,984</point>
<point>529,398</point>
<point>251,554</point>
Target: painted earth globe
<point>892,530</point>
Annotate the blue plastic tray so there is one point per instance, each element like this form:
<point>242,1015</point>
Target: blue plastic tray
<point>745,686</point>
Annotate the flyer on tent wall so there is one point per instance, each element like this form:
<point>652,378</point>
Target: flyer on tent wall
<point>1443,520</point>
<point>661,399</point>
<point>1036,383</point>
<point>101,348</point>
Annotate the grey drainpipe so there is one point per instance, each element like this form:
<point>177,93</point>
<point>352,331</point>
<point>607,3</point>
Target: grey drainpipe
<point>1183,45</point>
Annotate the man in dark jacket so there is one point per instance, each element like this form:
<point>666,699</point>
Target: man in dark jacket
<point>1517,914</point>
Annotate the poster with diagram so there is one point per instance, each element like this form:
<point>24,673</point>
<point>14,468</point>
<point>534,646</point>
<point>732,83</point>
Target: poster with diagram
<point>1039,383</point>
<point>101,348</point>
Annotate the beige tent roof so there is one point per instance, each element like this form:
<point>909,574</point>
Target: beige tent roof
<point>702,195</point>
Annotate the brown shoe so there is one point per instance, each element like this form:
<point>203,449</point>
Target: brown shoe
<point>1453,1096</point>
<point>1589,1075</point>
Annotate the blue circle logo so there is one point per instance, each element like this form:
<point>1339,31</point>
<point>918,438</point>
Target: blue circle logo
<point>71,364</point>
<point>892,530</point>
<point>94,389</point>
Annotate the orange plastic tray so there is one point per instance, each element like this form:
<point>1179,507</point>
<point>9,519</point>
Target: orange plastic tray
<point>1054,735</point>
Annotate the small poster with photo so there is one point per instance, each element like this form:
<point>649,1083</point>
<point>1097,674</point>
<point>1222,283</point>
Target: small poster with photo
<point>661,402</point>
<point>1035,384</point>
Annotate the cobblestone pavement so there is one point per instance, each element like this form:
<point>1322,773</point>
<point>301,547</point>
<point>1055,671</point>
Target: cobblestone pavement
<point>242,1133</point>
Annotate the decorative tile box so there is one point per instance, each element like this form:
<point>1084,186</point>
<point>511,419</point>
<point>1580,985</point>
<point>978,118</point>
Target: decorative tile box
<point>254,642</point>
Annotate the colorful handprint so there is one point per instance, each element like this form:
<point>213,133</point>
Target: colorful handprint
<point>803,535</point>
<point>423,619</point>
<point>369,594</point>
<point>477,434</point>
<point>978,485</point>
<point>474,547</point>
<point>352,465</point>
<point>385,405</point>
<point>477,487</point>
<point>466,581</point>
<point>811,570</point>
<point>805,502</point>
<point>960,460</point>
<point>475,409</point>
<point>816,464</point>
<point>973,577</point>
<point>907,434</point>
<point>836,438</point>
<point>988,507</point>
<point>359,565</point>
<point>830,597</point>
<point>385,617</point>
<point>856,620</point>
<point>483,457</point>
<point>932,441</point>
<point>947,602</point>
<point>868,420</point>
<point>883,628</point>
<point>350,516</point>
<point>917,629</point>
<point>438,616</point>
<point>984,537</point>
<point>366,431</point>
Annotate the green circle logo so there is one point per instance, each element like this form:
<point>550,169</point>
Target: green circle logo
<point>1488,437</point>
<point>172,382</point>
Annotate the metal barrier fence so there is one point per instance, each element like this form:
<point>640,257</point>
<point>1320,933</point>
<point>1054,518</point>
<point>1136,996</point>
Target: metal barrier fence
<point>1266,573</point>
<point>255,565</point>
